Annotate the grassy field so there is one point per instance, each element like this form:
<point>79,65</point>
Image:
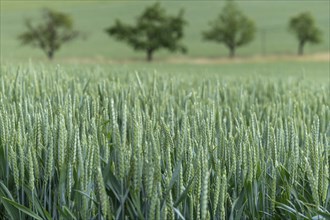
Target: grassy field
<point>309,71</point>
<point>93,17</point>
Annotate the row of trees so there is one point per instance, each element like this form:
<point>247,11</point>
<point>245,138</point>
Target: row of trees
<point>155,29</point>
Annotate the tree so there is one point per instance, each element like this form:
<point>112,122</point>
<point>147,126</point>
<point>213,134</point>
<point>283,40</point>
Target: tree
<point>154,30</point>
<point>231,28</point>
<point>55,30</point>
<point>303,26</point>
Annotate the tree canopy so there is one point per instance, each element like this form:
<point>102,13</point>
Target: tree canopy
<point>304,28</point>
<point>232,28</point>
<point>154,30</point>
<point>55,29</point>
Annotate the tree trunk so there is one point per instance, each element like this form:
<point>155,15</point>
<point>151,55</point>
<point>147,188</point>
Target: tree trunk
<point>232,52</point>
<point>149,55</point>
<point>50,55</point>
<point>301,48</point>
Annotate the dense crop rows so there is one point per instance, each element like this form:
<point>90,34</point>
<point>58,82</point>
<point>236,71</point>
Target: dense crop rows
<point>148,147</point>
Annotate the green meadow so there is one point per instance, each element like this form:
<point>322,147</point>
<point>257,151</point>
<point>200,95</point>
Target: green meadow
<point>92,17</point>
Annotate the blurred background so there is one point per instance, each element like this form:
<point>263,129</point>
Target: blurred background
<point>93,17</point>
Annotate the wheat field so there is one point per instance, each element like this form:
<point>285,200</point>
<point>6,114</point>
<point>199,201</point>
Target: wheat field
<point>149,146</point>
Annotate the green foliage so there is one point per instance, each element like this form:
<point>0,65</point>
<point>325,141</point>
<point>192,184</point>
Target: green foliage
<point>232,28</point>
<point>150,147</point>
<point>55,30</point>
<point>304,28</point>
<point>154,30</point>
